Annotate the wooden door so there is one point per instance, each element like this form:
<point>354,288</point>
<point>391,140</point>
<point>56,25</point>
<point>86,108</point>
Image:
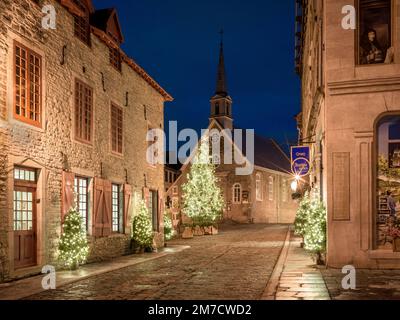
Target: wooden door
<point>25,245</point>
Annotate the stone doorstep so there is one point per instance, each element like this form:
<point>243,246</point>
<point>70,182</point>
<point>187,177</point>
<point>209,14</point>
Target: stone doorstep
<point>27,287</point>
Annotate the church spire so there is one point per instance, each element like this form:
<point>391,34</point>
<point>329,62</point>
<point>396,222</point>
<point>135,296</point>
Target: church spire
<point>221,88</point>
<point>221,102</point>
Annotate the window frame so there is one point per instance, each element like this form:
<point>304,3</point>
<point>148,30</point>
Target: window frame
<point>76,113</point>
<point>118,143</point>
<point>237,187</point>
<point>29,52</point>
<point>78,201</point>
<point>259,191</point>
<point>115,58</point>
<point>358,34</point>
<point>120,213</point>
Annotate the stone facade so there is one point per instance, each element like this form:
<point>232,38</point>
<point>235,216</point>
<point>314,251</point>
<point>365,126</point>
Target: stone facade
<point>342,103</point>
<point>52,148</point>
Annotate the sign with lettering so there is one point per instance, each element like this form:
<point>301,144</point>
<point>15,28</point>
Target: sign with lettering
<point>300,157</point>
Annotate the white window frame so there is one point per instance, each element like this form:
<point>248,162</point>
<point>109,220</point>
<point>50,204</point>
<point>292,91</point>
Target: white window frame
<point>259,191</point>
<point>271,188</point>
<point>236,200</point>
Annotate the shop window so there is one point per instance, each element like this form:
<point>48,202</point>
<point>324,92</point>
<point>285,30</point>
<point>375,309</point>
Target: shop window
<point>27,85</point>
<point>375,32</point>
<point>388,179</point>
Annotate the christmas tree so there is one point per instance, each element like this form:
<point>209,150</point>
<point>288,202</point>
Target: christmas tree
<point>142,229</point>
<point>169,231</point>
<point>73,247</point>
<point>202,198</point>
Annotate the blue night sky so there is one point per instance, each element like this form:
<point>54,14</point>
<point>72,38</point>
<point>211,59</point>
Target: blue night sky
<point>177,43</point>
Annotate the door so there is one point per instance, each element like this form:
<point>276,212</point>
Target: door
<point>24,227</point>
<point>153,207</point>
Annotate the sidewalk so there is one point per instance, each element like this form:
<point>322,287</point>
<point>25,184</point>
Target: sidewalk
<point>296,277</point>
<point>26,287</point>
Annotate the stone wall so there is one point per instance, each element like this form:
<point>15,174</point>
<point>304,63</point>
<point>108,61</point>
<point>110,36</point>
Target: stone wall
<point>53,147</point>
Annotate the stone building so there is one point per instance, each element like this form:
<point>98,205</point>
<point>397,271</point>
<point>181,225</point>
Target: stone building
<point>262,196</point>
<point>351,120</point>
<point>74,114</point>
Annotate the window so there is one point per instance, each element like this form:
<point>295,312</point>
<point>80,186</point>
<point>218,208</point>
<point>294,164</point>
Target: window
<point>115,58</point>
<point>388,168</point>
<point>82,199</point>
<point>271,188</point>
<point>237,193</point>
<point>166,176</point>
<point>175,190</point>
<point>83,112</point>
<point>375,43</point>
<point>25,174</point>
<point>259,195</point>
<point>117,216</point>
<point>28,85</point>
<point>217,108</point>
<point>153,209</point>
<point>284,190</point>
<point>116,129</point>
<point>81,24</point>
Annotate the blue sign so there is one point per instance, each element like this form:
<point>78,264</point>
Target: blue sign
<point>300,157</point>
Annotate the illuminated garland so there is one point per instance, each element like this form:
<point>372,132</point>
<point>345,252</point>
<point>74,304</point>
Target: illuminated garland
<point>73,247</point>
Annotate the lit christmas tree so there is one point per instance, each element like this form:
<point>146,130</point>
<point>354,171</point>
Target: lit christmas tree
<point>202,197</point>
<point>142,229</point>
<point>73,247</point>
<point>169,231</point>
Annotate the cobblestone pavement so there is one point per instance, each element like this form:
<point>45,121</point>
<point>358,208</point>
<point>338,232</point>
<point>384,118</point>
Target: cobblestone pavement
<point>371,285</point>
<point>236,264</point>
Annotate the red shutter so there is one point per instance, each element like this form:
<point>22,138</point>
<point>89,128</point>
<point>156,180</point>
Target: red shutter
<point>127,205</point>
<point>160,211</point>
<point>146,196</point>
<point>98,207</point>
<point>67,199</point>
<point>107,211</point>
<point>102,213</point>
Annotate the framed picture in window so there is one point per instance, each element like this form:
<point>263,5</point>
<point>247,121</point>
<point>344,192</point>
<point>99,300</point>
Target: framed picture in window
<point>394,155</point>
<point>375,32</point>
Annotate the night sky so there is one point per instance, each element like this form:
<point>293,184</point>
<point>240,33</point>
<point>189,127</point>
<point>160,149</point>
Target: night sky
<point>177,43</point>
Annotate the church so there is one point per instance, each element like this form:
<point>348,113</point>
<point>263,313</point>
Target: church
<point>264,195</point>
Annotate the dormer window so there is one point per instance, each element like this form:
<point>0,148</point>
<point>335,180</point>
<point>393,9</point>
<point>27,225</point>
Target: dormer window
<point>82,24</point>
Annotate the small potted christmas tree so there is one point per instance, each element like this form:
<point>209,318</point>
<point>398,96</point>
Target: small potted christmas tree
<point>142,229</point>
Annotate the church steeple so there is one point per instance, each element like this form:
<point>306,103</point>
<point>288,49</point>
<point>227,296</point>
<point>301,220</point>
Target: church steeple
<point>221,102</point>
<point>221,88</point>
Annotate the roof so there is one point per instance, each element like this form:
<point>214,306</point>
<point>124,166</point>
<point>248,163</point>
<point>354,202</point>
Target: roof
<point>267,153</point>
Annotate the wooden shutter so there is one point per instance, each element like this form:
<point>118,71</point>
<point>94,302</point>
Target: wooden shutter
<point>127,205</point>
<point>146,196</point>
<point>160,211</point>
<point>102,214</point>
<point>67,198</point>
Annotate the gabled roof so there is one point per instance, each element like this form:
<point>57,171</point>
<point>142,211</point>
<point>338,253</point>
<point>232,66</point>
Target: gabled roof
<point>107,21</point>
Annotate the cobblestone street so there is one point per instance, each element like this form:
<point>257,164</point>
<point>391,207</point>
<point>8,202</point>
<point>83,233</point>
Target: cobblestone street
<point>236,264</point>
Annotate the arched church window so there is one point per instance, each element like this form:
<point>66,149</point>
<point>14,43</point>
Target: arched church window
<point>271,188</point>
<point>237,193</point>
<point>259,195</point>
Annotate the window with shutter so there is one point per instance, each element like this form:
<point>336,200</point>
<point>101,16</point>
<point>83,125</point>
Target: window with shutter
<point>117,216</point>
<point>27,85</point>
<point>117,120</point>
<point>81,189</point>
<point>83,112</point>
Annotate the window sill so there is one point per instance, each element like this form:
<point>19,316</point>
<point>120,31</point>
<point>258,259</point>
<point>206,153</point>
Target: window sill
<point>384,254</point>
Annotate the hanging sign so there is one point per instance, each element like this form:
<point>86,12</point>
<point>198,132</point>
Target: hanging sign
<point>300,157</point>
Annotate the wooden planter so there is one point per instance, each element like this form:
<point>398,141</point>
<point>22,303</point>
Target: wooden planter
<point>187,233</point>
<point>210,231</point>
<point>396,245</point>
